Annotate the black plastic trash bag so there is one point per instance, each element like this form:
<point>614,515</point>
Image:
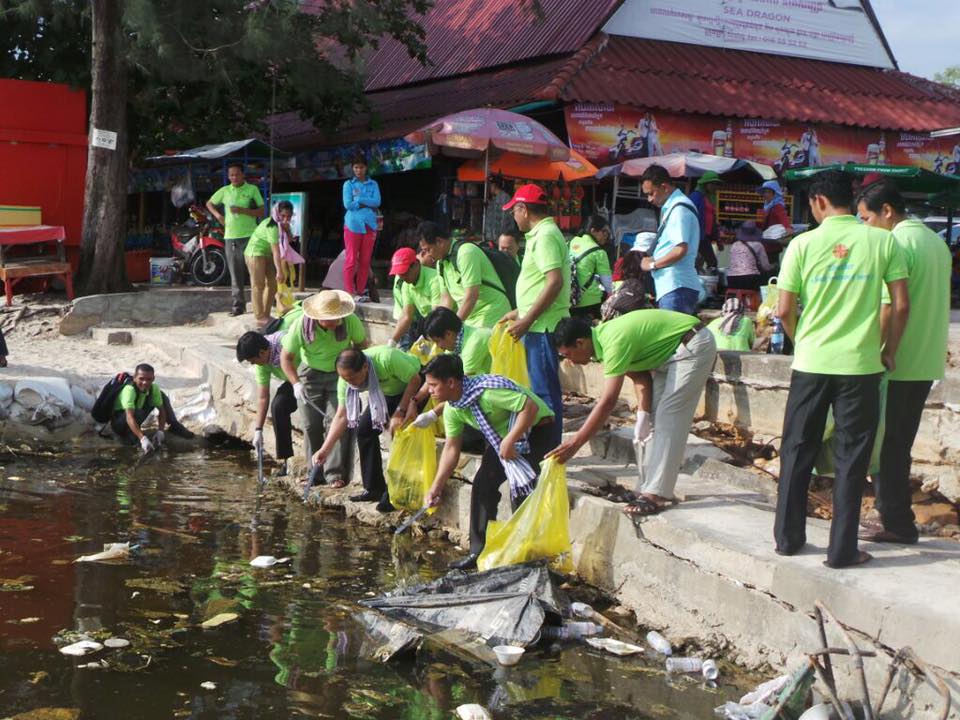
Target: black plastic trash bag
<point>505,605</point>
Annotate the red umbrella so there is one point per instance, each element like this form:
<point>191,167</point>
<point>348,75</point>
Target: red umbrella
<point>472,132</point>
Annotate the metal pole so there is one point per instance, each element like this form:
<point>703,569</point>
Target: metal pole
<point>486,172</point>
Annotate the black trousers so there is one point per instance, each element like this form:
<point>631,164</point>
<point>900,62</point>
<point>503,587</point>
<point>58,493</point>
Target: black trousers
<point>485,494</point>
<point>283,405</point>
<point>905,401</point>
<point>368,445</point>
<point>3,345</point>
<point>119,421</point>
<point>856,406</point>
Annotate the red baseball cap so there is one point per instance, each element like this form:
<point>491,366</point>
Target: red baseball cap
<point>402,260</point>
<point>528,194</point>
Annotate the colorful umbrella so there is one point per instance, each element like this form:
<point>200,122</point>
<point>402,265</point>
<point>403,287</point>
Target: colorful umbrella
<point>687,164</point>
<point>471,132</point>
<point>526,167</point>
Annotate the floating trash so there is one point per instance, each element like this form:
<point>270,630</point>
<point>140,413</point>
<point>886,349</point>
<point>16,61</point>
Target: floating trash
<point>83,647</point>
<point>218,620</point>
<point>615,647</point>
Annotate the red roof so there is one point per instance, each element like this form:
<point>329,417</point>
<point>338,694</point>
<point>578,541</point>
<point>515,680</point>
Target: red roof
<point>463,36</point>
<point>714,81</point>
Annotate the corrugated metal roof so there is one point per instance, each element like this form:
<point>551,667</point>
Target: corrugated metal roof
<point>396,112</point>
<point>464,36</point>
<point>714,81</point>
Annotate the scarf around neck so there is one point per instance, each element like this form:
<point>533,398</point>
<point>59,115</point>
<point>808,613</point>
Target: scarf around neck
<point>378,402</point>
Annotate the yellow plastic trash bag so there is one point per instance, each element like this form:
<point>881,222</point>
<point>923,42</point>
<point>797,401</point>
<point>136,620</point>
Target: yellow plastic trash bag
<point>285,299</point>
<point>540,528</point>
<point>424,350</point>
<point>768,306</point>
<point>509,356</point>
<point>411,467</point>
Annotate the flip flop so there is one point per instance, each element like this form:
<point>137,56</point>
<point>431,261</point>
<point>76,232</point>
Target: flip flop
<point>879,535</point>
<point>862,557</point>
<point>641,508</point>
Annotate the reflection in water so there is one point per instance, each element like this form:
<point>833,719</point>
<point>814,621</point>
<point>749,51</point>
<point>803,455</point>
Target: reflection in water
<point>293,650</point>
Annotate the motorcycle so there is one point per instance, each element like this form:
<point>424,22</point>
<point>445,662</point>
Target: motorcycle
<point>198,253</point>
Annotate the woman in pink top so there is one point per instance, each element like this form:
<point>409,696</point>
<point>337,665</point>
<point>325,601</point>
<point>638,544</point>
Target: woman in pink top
<point>749,265</point>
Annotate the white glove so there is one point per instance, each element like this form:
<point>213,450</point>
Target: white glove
<point>391,343</point>
<point>158,438</point>
<point>425,420</point>
<point>146,444</point>
<point>258,439</point>
<point>642,428</point>
<point>298,392</point>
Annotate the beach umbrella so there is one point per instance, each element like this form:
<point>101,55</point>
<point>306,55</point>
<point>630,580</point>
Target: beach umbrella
<point>526,167</point>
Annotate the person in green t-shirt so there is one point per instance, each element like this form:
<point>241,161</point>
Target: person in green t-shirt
<point>668,357</point>
<point>505,414</point>
<point>733,330</point>
<point>262,256</point>
<point>543,295</point>
<point>390,377</point>
<point>837,272</point>
<point>470,282</point>
<point>591,266</point>
<point>242,207</point>
<point>472,344</point>
<point>135,402</point>
<point>920,359</point>
<point>308,356</point>
<point>414,295</point>
<point>263,352</point>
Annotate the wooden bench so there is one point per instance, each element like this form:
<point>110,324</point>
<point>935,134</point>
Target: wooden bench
<point>40,266</point>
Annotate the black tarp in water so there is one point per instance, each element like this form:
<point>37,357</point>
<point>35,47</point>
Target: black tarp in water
<point>505,605</point>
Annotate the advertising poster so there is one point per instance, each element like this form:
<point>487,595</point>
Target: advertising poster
<point>607,134</point>
<point>383,158</point>
<point>788,146</point>
<point>941,155</point>
<point>299,202</point>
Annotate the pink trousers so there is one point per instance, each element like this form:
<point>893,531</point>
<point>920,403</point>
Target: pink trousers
<point>356,266</point>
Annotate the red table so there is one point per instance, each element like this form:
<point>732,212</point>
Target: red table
<point>12,272</point>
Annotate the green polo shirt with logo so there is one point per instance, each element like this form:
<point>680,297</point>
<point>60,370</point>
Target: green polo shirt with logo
<point>475,350</point>
<point>546,250</point>
<point>497,407</point>
<point>237,226</point>
<point>394,370</point>
<point>475,270</point>
<point>263,239</point>
<point>640,340</point>
<point>424,294</point>
<point>922,354</point>
<point>592,263</point>
<point>321,354</point>
<point>838,272</point>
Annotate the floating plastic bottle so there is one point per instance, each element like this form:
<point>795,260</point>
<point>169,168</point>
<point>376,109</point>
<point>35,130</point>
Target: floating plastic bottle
<point>684,665</point>
<point>659,643</point>
<point>581,610</point>
<point>776,338</point>
<point>571,631</point>
<point>709,670</point>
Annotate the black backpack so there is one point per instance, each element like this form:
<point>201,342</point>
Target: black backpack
<point>507,269</point>
<point>102,410</point>
<point>576,290</point>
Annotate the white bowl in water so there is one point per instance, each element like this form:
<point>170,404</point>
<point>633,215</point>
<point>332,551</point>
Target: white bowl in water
<point>508,654</point>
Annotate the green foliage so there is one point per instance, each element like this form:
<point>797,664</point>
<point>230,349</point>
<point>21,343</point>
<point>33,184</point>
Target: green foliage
<point>209,71</point>
<point>949,76</point>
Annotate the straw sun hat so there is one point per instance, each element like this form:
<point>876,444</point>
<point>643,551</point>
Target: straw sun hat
<point>328,305</point>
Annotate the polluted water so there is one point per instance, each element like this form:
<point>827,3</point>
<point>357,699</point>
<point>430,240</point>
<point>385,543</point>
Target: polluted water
<point>183,626</point>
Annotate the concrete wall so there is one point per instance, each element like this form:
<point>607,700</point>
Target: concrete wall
<point>156,306</point>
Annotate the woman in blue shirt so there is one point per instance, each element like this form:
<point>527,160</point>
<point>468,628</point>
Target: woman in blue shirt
<point>361,197</point>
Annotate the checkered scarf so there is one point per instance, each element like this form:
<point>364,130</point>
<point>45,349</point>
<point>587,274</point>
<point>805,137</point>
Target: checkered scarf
<point>378,402</point>
<point>519,472</point>
<point>459,346</point>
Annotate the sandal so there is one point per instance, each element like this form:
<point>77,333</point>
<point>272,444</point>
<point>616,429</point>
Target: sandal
<point>860,559</point>
<point>642,507</point>
<point>880,535</point>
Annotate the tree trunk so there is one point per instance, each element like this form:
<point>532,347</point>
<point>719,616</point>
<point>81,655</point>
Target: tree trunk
<point>102,267</point>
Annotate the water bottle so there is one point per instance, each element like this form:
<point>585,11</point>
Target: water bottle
<point>581,610</point>
<point>709,670</point>
<point>659,643</point>
<point>684,665</point>
<point>571,631</point>
<point>776,339</point>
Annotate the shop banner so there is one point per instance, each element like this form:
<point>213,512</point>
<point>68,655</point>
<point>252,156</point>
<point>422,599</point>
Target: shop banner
<point>607,134</point>
<point>941,155</point>
<point>834,30</point>
<point>383,158</point>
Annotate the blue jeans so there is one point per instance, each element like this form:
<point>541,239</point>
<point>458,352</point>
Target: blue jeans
<point>543,364</point>
<point>682,300</point>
